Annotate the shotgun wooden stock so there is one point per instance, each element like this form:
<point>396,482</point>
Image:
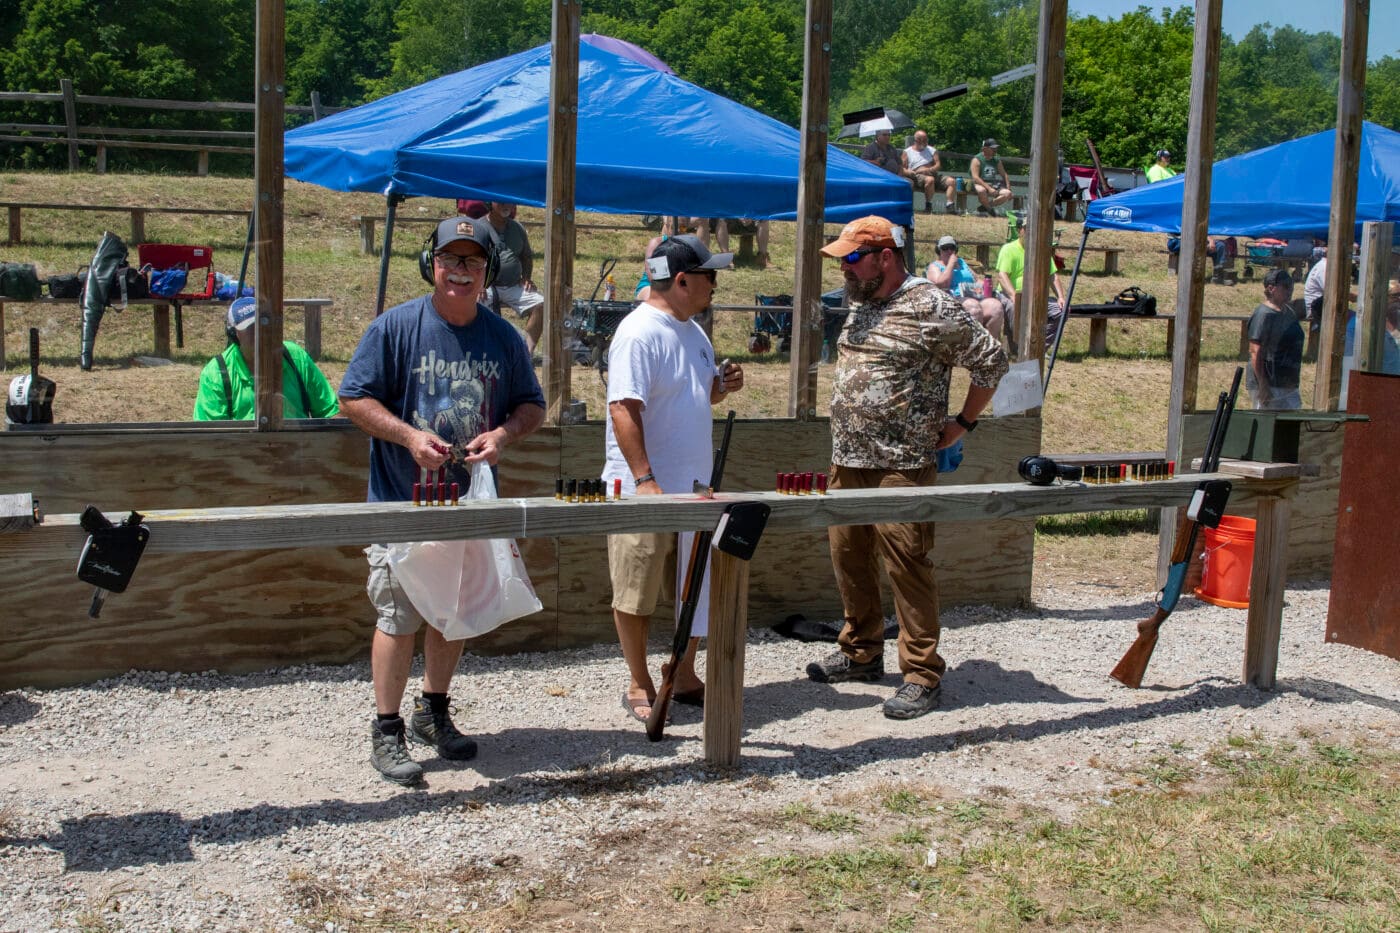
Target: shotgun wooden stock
<point>1131,667</point>
<point>694,580</point>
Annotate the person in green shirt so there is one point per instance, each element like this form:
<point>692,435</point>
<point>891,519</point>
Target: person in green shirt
<point>226,383</point>
<point>1011,267</point>
<point>1161,169</point>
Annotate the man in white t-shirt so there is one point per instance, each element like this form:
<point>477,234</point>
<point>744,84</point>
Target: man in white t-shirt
<point>921,166</point>
<point>662,380</point>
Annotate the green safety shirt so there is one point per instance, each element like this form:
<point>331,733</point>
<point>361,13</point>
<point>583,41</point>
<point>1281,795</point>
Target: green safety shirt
<point>305,391</point>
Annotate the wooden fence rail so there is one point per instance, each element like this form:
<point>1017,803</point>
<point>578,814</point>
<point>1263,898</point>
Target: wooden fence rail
<point>73,135</point>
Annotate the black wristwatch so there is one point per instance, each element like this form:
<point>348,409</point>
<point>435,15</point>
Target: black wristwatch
<point>645,478</point>
<point>968,426</point>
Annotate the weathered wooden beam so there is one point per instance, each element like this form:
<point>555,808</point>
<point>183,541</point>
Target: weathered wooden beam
<point>1266,584</point>
<point>16,512</point>
<point>1045,138</point>
<point>270,95</point>
<point>724,658</point>
<point>70,118</point>
<point>1341,226</point>
<point>811,207</point>
<point>1373,293</point>
<point>560,233</point>
<point>341,524</point>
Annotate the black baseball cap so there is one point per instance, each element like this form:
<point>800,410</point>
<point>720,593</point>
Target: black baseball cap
<point>990,143</point>
<point>683,253</point>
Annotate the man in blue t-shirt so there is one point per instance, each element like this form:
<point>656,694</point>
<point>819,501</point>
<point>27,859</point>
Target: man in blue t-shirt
<point>434,373</point>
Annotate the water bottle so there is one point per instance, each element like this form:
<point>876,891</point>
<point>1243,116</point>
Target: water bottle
<point>609,289</point>
<point>986,286</point>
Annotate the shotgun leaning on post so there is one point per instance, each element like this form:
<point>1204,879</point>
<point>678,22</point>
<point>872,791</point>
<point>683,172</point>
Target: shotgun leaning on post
<point>694,579</point>
<point>1133,664</point>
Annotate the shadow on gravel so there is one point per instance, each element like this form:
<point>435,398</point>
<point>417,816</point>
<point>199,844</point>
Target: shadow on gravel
<point>15,709</point>
<point>529,769</point>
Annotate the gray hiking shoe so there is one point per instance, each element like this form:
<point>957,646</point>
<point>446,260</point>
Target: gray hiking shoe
<point>389,755</point>
<point>911,701</point>
<point>439,732</point>
<point>837,667</point>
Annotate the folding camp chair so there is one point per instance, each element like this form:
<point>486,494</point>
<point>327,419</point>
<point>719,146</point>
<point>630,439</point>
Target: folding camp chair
<point>1105,189</point>
<point>189,258</point>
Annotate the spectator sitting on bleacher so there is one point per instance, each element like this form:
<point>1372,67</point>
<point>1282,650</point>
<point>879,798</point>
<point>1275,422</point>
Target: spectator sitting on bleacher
<point>1217,249</point>
<point>951,273</point>
<point>1161,169</point>
<point>1011,267</point>
<point>881,153</point>
<point>921,165</point>
<point>990,182</point>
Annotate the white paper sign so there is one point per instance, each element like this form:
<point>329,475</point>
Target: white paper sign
<point>1019,390</point>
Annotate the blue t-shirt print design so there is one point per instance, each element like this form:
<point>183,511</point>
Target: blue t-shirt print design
<point>454,397</point>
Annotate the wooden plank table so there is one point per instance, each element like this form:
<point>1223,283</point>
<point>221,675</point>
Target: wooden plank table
<point>341,524</point>
<point>136,212</point>
<point>160,312</point>
<point>1098,327</point>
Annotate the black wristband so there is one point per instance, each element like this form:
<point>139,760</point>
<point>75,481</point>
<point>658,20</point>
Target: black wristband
<point>968,426</point>
<point>645,478</point>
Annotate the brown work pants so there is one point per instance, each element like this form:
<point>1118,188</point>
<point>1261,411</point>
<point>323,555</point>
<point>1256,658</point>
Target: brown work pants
<point>904,548</point>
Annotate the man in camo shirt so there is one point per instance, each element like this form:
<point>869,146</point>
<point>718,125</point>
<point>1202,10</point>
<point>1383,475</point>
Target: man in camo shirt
<point>889,417</point>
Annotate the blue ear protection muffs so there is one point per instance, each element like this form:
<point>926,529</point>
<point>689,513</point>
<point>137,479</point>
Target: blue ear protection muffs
<point>484,237</point>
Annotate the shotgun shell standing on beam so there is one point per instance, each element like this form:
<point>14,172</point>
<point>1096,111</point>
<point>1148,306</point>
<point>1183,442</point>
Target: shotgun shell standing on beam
<point>571,491</point>
<point>559,488</point>
<point>617,489</point>
<point>821,484</point>
<point>417,493</point>
<point>456,493</point>
<point>442,485</point>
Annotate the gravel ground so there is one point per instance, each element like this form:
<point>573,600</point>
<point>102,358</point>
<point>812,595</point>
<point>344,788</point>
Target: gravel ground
<point>206,801</point>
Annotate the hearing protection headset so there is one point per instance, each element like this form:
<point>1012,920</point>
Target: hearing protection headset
<point>481,234</point>
<point>1042,471</point>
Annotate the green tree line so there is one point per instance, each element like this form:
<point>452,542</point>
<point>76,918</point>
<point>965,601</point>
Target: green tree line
<point>1127,80</point>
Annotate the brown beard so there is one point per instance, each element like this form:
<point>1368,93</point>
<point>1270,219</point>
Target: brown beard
<point>861,291</point>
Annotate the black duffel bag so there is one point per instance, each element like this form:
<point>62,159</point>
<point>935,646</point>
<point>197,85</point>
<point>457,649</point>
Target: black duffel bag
<point>19,280</point>
<point>67,286</point>
<point>1136,301</point>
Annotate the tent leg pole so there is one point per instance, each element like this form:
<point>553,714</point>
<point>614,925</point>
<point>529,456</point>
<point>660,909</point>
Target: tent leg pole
<point>1064,317</point>
<point>393,205</point>
<point>247,249</point>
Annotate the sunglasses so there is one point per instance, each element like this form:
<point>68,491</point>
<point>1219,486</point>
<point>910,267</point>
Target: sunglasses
<point>947,249</point>
<point>851,259</point>
<point>451,261</point>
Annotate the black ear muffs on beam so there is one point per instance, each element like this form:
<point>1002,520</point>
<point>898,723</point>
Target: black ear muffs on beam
<point>1042,471</point>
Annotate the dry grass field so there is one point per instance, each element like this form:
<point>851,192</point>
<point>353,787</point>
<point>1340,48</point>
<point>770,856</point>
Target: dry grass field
<point>1112,403</point>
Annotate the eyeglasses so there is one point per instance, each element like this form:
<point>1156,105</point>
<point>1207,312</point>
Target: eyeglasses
<point>452,262</point>
<point>851,259</point>
<point>947,249</point>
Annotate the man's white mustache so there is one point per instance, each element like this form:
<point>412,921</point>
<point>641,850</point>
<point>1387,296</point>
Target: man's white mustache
<point>460,279</point>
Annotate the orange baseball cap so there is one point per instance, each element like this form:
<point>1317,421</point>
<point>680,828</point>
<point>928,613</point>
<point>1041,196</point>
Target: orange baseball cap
<point>865,233</point>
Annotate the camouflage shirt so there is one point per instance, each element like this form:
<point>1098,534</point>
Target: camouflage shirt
<point>895,362</point>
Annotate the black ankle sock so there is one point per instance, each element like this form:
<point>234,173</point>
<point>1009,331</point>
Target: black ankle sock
<point>388,717</point>
<point>437,702</point>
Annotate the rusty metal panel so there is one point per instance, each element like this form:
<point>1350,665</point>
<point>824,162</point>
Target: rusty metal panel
<point>1364,609</point>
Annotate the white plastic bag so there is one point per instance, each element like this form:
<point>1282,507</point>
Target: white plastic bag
<point>1019,390</point>
<point>466,588</point>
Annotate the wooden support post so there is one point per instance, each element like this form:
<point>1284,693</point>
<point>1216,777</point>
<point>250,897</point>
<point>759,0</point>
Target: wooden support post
<point>367,234</point>
<point>203,169</point>
<point>1110,261</point>
<point>807,310</point>
<point>311,318</point>
<point>101,159</point>
<point>160,330</point>
<point>138,226</point>
<point>1195,220</point>
<point>1266,585</point>
<point>70,119</point>
<point>559,205</point>
<point>1373,292</point>
<point>270,124</point>
<point>1045,139</point>
<point>1351,87</point>
<point>16,512</point>
<point>1098,336</point>
<point>3,365</point>
<point>984,258</point>
<point>14,228</point>
<point>724,658</point>
<point>316,111</point>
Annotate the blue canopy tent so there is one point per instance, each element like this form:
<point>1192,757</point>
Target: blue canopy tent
<point>648,143</point>
<point>1283,191</point>
<point>1280,191</point>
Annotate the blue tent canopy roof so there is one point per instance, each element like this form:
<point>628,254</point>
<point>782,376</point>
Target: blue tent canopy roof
<point>1281,191</point>
<point>648,142</point>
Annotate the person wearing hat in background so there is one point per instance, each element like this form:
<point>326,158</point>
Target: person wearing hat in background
<point>990,182</point>
<point>881,153</point>
<point>226,390</point>
<point>514,286</point>
<point>436,372</point>
<point>1011,268</point>
<point>951,273</point>
<point>1161,169</point>
<point>1275,347</point>
<point>662,382</point>
<point>889,417</point>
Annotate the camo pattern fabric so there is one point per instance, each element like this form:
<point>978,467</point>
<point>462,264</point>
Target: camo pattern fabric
<point>893,370</point>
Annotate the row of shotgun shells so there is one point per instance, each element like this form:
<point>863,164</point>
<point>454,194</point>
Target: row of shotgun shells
<point>1144,472</point>
<point>434,490</point>
<point>802,484</point>
<point>586,490</point>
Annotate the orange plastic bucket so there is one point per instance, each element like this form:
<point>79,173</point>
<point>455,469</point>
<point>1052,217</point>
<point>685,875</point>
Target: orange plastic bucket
<point>1226,565</point>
